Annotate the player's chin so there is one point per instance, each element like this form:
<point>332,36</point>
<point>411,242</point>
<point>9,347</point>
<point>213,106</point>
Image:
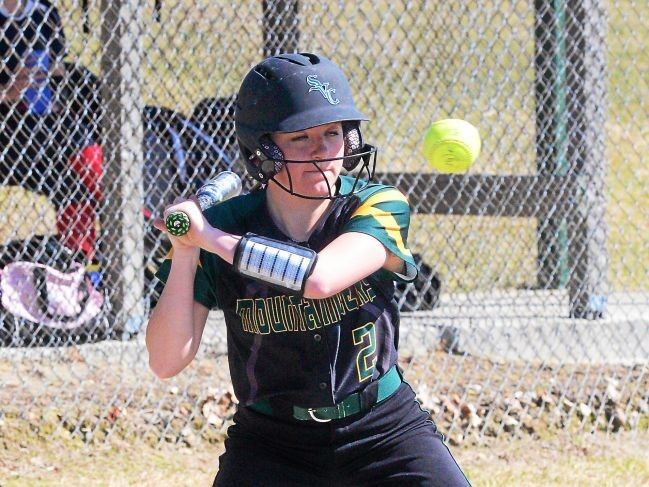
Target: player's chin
<point>323,181</point>
<point>319,189</point>
<point>324,175</point>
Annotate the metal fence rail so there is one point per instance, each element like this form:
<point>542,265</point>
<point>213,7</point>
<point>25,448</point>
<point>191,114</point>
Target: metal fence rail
<point>541,249</point>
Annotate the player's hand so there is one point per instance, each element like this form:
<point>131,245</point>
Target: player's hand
<point>197,228</point>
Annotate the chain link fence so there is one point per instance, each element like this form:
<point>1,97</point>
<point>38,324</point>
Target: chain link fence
<point>532,312</point>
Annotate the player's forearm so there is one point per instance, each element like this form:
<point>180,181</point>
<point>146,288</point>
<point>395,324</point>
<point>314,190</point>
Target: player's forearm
<point>329,278</point>
<point>348,259</point>
<point>170,336</point>
<point>220,243</point>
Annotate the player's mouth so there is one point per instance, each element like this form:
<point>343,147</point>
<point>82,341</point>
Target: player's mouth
<point>320,168</point>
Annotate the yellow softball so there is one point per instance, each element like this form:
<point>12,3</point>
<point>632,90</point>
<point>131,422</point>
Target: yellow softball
<point>451,145</point>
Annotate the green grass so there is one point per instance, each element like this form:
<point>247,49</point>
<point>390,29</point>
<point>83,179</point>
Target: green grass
<point>411,66</point>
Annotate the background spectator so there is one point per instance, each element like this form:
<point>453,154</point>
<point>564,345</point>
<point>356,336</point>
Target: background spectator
<point>42,147</point>
<point>31,31</point>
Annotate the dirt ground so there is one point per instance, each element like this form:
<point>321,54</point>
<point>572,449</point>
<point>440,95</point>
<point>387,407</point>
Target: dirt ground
<point>95,416</point>
<point>620,459</point>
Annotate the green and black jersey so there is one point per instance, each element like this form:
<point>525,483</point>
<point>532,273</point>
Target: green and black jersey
<point>308,352</point>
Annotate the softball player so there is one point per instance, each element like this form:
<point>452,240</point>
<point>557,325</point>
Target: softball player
<point>304,272</point>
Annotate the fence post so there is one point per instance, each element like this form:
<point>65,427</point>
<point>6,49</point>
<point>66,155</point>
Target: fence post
<point>587,231</point>
<point>551,137</point>
<point>122,221</point>
<point>280,26</point>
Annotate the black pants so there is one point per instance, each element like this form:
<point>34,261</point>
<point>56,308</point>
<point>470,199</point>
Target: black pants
<point>395,443</point>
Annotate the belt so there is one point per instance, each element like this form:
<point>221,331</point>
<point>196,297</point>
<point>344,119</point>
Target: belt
<point>355,403</point>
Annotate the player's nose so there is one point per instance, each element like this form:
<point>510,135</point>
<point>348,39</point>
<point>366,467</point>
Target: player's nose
<point>318,148</point>
<point>325,148</point>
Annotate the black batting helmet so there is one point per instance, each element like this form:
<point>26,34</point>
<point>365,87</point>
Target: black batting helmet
<point>292,92</point>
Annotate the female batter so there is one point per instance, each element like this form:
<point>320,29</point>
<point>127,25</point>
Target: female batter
<point>304,272</point>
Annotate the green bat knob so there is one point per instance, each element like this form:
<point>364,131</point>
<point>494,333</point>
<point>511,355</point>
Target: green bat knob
<point>177,223</point>
<point>224,186</point>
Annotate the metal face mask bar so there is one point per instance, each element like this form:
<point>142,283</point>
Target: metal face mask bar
<point>368,155</point>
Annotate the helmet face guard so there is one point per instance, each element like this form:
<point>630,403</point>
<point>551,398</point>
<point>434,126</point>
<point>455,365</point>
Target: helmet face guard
<point>364,172</point>
<point>290,93</point>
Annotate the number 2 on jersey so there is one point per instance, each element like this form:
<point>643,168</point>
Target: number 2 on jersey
<point>366,358</point>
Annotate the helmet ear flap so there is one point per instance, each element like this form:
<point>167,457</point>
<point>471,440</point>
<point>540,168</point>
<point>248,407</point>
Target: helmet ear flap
<point>353,144</point>
<point>265,161</point>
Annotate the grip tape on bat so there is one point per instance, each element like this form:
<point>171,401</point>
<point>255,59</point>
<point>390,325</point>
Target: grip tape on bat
<point>224,186</point>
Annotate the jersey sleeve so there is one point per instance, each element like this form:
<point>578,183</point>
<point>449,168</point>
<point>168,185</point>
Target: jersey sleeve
<point>203,289</point>
<point>385,215</point>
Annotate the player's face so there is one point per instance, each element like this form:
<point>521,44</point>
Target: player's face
<point>316,177</point>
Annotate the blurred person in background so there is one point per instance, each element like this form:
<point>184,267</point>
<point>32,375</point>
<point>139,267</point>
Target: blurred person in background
<point>32,46</point>
<point>42,147</point>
